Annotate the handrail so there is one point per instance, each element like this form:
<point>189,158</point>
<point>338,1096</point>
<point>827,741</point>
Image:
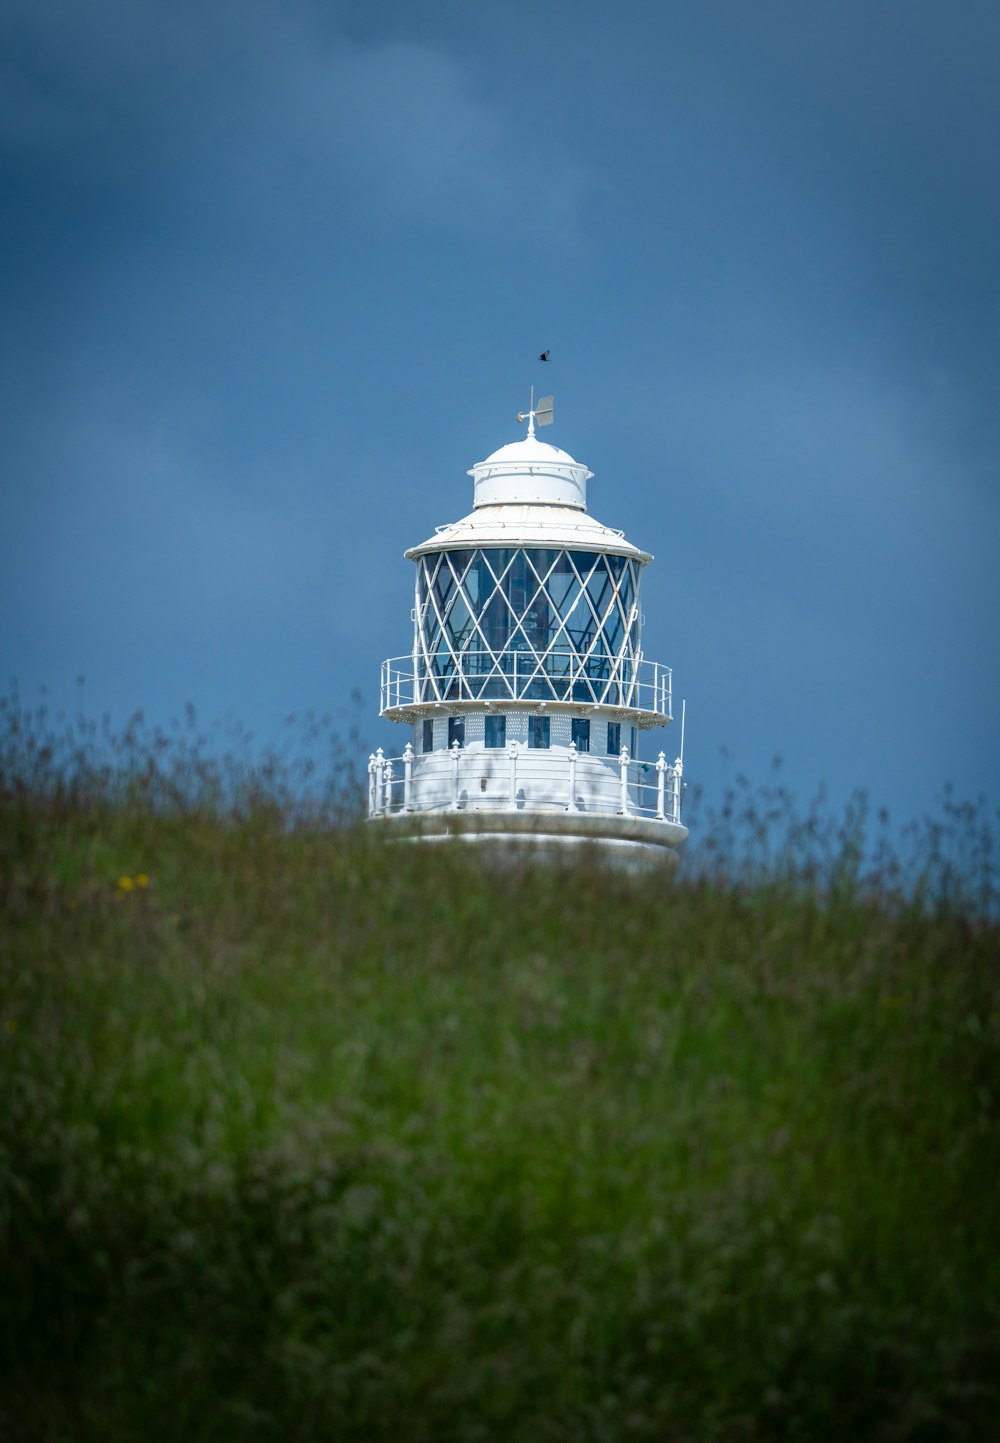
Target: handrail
<point>619,785</point>
<point>512,676</point>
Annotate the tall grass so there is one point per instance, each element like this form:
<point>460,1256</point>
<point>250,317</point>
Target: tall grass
<point>308,1136</point>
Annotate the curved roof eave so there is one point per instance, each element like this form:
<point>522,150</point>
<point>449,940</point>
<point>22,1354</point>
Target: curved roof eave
<point>509,524</point>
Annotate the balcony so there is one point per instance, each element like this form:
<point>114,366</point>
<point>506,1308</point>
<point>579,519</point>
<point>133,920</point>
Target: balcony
<point>409,685</point>
<point>524,780</point>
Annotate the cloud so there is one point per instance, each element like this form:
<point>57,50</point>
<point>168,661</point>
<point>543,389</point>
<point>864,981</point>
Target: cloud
<point>404,122</point>
<point>266,102</point>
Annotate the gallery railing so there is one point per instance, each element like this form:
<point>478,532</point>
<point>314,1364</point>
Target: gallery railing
<point>513,676</point>
<point>579,782</point>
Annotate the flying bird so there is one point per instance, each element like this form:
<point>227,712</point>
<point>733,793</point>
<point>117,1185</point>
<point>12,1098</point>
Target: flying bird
<point>545,355</point>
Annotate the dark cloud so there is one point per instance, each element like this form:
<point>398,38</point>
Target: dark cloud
<point>134,95</point>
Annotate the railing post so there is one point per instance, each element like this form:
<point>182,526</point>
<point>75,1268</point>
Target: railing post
<point>678,773</point>
<point>571,802</point>
<point>661,770</point>
<point>379,767</point>
<point>512,755</point>
<point>408,777</point>
<point>623,759</point>
<point>454,773</point>
<point>387,775</point>
<point>372,793</point>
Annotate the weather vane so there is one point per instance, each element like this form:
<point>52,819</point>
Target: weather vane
<point>542,413</point>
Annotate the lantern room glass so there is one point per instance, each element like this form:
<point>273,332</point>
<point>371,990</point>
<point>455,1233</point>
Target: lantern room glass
<point>532,623</point>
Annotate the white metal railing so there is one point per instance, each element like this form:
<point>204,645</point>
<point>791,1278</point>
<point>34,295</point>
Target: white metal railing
<point>576,780</point>
<point>638,685</point>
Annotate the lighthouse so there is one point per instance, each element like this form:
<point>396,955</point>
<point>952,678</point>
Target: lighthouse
<point>533,713</point>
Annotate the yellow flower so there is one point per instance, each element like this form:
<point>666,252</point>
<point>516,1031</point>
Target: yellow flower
<point>125,884</point>
<point>141,880</point>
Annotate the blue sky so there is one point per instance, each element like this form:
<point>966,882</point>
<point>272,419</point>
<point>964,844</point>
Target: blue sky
<point>275,276</point>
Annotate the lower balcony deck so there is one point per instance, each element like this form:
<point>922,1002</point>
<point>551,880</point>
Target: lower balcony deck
<point>524,780</point>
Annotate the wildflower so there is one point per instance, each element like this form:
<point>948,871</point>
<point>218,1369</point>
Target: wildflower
<point>125,884</point>
<point>141,880</point>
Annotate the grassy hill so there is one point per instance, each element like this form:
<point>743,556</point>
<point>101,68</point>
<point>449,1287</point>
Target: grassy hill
<point>304,1136</point>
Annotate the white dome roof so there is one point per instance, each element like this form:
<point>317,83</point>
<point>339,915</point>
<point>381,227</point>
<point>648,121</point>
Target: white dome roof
<point>530,472</point>
<point>530,450</point>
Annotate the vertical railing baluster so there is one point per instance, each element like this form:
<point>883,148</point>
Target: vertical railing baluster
<point>571,802</point>
<point>661,769</point>
<point>408,777</point>
<point>379,767</point>
<point>387,776</point>
<point>623,761</point>
<point>454,773</point>
<point>372,795</point>
<point>512,755</point>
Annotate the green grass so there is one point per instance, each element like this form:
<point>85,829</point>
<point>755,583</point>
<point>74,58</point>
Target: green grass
<point>317,1138</point>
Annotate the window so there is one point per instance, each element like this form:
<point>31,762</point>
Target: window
<point>581,733</point>
<point>634,745</point>
<point>614,738</point>
<point>496,731</point>
<point>538,732</point>
<point>428,736</point>
<point>456,731</point>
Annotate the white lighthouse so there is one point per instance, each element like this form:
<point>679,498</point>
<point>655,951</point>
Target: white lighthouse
<point>527,692</point>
